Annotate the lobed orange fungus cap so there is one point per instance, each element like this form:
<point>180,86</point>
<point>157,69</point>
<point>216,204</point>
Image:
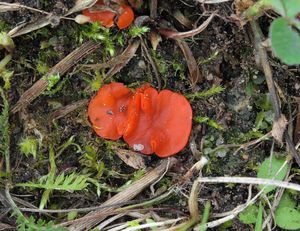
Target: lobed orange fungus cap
<point>105,17</point>
<point>158,122</point>
<point>107,111</point>
<point>126,17</point>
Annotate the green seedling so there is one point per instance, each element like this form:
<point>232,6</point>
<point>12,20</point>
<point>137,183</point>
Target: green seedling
<point>205,94</point>
<point>136,31</point>
<point>212,123</point>
<point>28,146</point>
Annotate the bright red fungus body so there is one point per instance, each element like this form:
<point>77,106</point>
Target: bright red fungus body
<point>158,122</point>
<point>126,17</point>
<point>105,17</point>
<point>108,110</point>
<point>153,122</point>
<point>103,14</point>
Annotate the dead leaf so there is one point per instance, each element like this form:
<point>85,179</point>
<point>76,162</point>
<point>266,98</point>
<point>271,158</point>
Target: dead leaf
<point>180,17</point>
<point>279,128</point>
<point>169,33</point>
<point>32,26</point>
<point>81,5</point>
<point>195,75</point>
<point>155,39</point>
<point>131,158</point>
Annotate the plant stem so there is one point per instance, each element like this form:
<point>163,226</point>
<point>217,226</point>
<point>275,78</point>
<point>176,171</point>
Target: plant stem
<point>4,133</point>
<point>257,9</point>
<point>4,62</point>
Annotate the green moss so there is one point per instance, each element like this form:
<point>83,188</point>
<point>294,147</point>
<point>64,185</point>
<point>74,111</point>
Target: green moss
<point>28,146</point>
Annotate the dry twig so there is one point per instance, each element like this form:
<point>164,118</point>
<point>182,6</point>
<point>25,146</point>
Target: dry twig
<point>169,33</point>
<point>61,68</point>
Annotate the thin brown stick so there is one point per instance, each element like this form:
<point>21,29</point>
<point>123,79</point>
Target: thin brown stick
<point>61,112</point>
<point>153,8</point>
<point>152,63</point>
<point>118,62</point>
<point>61,68</point>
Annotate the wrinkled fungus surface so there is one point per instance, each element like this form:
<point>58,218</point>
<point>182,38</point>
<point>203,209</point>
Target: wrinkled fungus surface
<point>153,122</point>
<point>106,16</point>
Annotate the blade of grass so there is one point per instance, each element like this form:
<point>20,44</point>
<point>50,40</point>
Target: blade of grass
<point>205,216</point>
<point>259,220</point>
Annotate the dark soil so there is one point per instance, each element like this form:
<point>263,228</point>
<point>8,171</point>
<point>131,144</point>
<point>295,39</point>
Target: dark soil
<point>233,66</point>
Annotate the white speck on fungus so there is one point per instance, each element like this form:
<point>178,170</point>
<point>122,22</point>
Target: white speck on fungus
<point>138,147</point>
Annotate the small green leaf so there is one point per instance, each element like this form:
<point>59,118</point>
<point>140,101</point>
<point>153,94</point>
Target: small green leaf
<point>285,42</point>
<point>259,219</point>
<point>52,80</point>
<point>209,122</point>
<point>249,215</point>
<point>287,8</point>
<point>259,119</point>
<point>287,218</point>
<point>287,201</point>
<point>136,31</point>
<point>249,88</point>
<point>268,170</point>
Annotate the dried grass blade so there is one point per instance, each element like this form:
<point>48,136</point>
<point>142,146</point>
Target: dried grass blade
<point>81,5</point>
<point>126,56</point>
<point>29,27</point>
<point>93,218</point>
<point>195,75</point>
<point>61,68</point>
<point>62,112</point>
<point>132,159</point>
<point>180,17</point>
<point>121,59</point>
<point>168,33</point>
<point>5,7</point>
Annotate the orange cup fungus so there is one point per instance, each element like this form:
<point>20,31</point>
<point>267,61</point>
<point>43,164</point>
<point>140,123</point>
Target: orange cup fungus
<point>106,16</point>
<point>149,121</point>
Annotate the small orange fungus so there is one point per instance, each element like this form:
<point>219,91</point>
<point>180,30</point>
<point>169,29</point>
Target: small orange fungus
<point>106,16</point>
<point>153,122</point>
